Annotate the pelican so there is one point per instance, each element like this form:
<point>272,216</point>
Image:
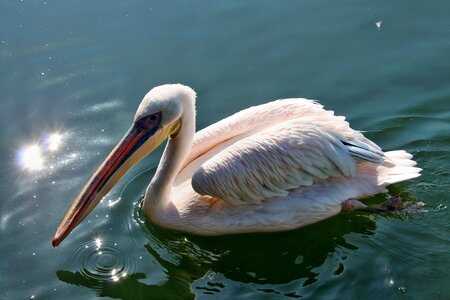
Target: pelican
<point>271,167</point>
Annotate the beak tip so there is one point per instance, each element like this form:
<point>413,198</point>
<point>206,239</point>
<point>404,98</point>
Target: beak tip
<point>55,241</point>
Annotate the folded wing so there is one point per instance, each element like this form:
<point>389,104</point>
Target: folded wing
<point>284,157</point>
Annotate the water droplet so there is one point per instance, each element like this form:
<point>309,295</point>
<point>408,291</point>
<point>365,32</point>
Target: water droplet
<point>440,207</point>
<point>378,24</point>
<point>402,289</point>
<point>98,243</point>
<point>298,260</point>
<point>211,275</point>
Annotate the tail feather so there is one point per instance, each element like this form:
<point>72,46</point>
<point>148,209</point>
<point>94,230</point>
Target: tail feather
<point>398,167</point>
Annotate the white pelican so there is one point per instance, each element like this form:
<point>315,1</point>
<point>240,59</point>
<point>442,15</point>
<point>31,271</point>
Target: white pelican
<point>272,167</point>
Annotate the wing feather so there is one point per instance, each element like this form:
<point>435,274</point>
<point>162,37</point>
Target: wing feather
<point>275,161</point>
<point>262,160</point>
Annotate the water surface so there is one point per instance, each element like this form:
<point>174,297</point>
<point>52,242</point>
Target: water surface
<point>72,75</point>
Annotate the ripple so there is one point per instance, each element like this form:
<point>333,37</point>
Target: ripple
<point>101,260</point>
<point>131,190</point>
<point>129,225</point>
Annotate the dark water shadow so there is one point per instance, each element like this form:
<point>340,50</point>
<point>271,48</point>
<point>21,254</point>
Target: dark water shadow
<point>272,258</point>
<point>256,259</point>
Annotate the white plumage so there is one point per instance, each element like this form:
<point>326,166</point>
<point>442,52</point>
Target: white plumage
<point>276,166</point>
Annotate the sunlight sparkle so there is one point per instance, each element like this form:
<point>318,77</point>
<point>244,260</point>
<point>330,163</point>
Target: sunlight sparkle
<point>98,243</point>
<point>54,141</point>
<point>31,158</point>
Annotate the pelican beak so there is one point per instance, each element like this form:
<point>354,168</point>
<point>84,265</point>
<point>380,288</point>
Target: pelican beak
<point>139,141</point>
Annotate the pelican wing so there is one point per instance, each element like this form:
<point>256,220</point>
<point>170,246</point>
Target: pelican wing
<point>280,158</point>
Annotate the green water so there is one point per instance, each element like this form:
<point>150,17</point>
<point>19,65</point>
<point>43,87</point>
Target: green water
<point>80,69</point>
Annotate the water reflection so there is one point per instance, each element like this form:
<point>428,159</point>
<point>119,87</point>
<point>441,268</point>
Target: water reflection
<point>167,264</point>
<point>101,260</point>
<point>33,157</point>
<point>54,141</point>
<point>378,24</point>
<point>280,263</point>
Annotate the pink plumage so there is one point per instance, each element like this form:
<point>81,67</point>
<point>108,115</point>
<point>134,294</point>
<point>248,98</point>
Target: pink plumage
<point>276,166</point>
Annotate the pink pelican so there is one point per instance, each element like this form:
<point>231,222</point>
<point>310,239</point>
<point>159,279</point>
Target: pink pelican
<point>271,167</point>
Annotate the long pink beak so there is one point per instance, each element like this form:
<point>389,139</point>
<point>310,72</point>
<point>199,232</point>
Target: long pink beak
<point>131,149</point>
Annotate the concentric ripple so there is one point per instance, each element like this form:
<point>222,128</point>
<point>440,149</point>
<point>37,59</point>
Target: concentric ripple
<point>101,260</point>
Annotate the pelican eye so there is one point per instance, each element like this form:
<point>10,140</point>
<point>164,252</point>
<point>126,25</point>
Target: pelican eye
<point>150,121</point>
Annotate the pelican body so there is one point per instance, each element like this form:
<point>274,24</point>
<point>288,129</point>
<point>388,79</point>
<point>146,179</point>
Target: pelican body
<point>272,167</point>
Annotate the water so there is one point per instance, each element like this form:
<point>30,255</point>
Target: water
<point>80,69</point>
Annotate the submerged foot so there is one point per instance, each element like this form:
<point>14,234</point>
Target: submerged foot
<point>393,204</point>
<point>352,204</point>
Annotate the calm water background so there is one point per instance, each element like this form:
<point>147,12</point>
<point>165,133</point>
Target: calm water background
<point>80,68</point>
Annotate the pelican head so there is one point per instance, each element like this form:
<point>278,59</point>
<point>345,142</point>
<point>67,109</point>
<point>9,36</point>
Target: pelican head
<point>158,116</point>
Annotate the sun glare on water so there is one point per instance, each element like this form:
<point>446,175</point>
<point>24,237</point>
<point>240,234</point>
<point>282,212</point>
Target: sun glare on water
<point>54,141</point>
<point>32,157</point>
